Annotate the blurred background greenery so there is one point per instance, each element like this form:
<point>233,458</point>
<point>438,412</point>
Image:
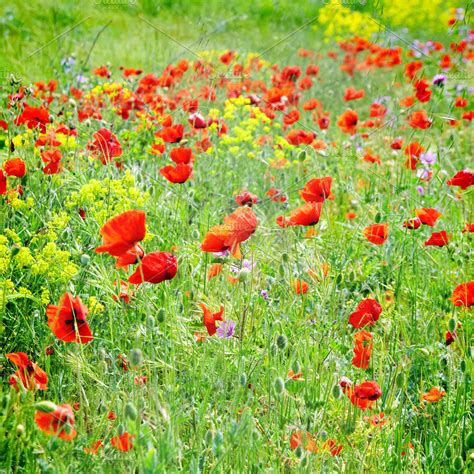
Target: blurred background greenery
<point>37,35</point>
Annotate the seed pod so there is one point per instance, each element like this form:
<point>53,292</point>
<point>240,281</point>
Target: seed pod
<point>131,411</point>
<point>279,385</point>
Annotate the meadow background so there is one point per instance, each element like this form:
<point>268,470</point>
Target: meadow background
<point>233,405</point>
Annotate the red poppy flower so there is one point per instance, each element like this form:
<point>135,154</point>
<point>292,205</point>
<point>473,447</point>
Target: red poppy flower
<point>414,223</point>
<point>122,233</point>
<point>463,294</point>
<point>347,122</point>
<point>317,190</point>
<point>210,318</point>
<point>306,215</point>
<point>368,391</point>
<point>102,71</point>
<point>53,160</point>
<point>352,94</point>
<point>214,270</point>
<point>15,167</point>
<point>438,239</point>
<point>303,439</point>
<point>419,119</point>
<point>34,117</point>
<point>276,195</point>
<point>397,143</point>
<point>105,146</point>
<point>434,395</point>
<point>94,449</point>
<point>428,216</point>
<point>28,373</point>
<point>237,228</point>
<point>291,117</point>
<point>155,267</point>
<point>467,228</point>
<point>349,391</point>
<point>300,287</point>
<point>367,313</point>
<point>130,257</point>
<point>57,420</point>
<point>123,442</point>
<point>246,199</point>
<point>463,179</point>
<point>362,349</point>
<point>3,183</point>
<point>450,337</point>
<point>300,137</point>
<point>172,134</point>
<point>68,320</point>
<point>178,174</point>
<point>376,233</point>
<point>125,293</point>
<point>182,155</point>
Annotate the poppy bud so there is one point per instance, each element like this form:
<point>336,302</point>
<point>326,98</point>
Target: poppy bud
<point>378,217</point>
<point>458,463</point>
<point>463,366</point>
<point>282,269</point>
<point>84,259</point>
<point>120,429</point>
<point>150,322</point>
<point>295,367</point>
<point>244,274</point>
<point>448,452</point>
<point>282,341</point>
<point>285,257</point>
<point>302,155</point>
<point>279,385</point>
<point>15,249</point>
<point>470,440</point>
<point>195,234</point>
<point>400,380</point>
<point>161,315</point>
<point>336,391</point>
<point>218,438</point>
<point>304,462</point>
<point>135,357</point>
<point>243,379</point>
<point>131,411</point>
<point>299,451</point>
<point>45,406</point>
<point>208,437</point>
<point>452,325</point>
<point>323,435</point>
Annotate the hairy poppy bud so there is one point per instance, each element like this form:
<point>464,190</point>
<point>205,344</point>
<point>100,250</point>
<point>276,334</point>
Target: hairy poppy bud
<point>131,411</point>
<point>208,437</point>
<point>45,406</point>
<point>135,357</point>
<point>458,463</point>
<point>282,341</point>
<point>448,452</point>
<point>218,438</point>
<point>161,315</point>
<point>84,259</point>
<point>452,325</point>
<point>302,155</point>
<point>279,385</point>
<point>336,391</point>
<point>150,322</point>
<point>120,429</point>
<point>463,366</point>
<point>400,380</point>
<point>15,249</point>
<point>299,451</point>
<point>285,257</point>
<point>295,367</point>
<point>470,440</point>
<point>244,274</point>
<point>243,379</point>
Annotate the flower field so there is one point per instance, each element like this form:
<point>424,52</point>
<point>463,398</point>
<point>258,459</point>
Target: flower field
<point>240,261</point>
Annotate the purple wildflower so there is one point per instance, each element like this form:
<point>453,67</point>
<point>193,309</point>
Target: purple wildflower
<point>226,329</point>
<point>428,158</point>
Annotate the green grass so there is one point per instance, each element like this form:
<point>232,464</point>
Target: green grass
<point>216,406</point>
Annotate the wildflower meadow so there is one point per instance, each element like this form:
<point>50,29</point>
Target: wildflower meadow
<point>236,236</point>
